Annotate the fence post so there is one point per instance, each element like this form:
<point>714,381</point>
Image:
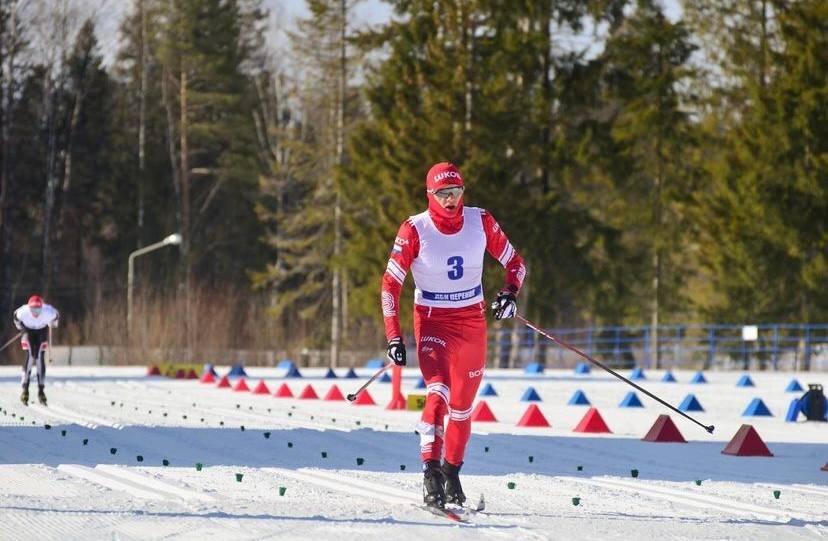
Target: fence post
<point>775,347</point>
<point>677,360</point>
<point>807,358</point>
<point>589,342</point>
<point>646,347</point>
<point>711,348</point>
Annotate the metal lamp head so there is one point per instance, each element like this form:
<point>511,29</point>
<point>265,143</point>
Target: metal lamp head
<point>175,238</point>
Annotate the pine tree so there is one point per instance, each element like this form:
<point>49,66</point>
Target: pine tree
<point>472,83</point>
<point>306,278</point>
<point>640,179</point>
<point>212,141</point>
<point>764,219</point>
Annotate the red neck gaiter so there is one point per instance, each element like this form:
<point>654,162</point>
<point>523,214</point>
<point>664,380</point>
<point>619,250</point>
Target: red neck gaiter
<point>448,221</point>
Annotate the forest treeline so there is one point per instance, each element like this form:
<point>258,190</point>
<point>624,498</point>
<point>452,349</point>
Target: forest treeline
<point>649,170</point>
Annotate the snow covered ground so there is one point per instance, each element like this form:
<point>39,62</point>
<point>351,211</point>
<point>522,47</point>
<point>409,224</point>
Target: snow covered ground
<point>83,478</point>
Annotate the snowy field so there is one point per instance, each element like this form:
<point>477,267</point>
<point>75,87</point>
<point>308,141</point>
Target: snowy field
<point>98,472</point>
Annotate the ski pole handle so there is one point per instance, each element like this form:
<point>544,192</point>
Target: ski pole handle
<point>351,397</point>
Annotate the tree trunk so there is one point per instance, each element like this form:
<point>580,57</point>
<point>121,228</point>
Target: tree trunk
<point>49,98</point>
<point>186,243</point>
<point>142,120</point>
<point>336,285</point>
<point>168,108</point>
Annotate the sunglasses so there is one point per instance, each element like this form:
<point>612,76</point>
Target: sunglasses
<point>445,193</point>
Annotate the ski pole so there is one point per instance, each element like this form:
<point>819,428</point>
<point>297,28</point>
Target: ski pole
<point>7,344</point>
<point>610,370</point>
<point>352,397</point>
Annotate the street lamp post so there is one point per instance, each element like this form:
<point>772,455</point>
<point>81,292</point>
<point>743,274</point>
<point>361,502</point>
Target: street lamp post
<point>173,239</point>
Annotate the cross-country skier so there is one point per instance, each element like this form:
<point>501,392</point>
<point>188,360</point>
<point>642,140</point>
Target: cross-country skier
<point>34,320</point>
<point>444,247</point>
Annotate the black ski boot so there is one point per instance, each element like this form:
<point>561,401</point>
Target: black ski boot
<point>433,493</point>
<point>41,396</point>
<point>454,491</point>
<point>24,396</point>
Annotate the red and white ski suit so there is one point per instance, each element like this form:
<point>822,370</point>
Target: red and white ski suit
<point>445,256</point>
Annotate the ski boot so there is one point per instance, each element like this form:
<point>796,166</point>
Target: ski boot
<point>454,491</point>
<point>41,396</point>
<point>433,493</point>
<point>24,396</point>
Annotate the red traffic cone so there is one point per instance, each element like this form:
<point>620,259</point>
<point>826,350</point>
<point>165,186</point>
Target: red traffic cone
<point>208,378</point>
<point>153,370</point>
<point>192,374</point>
<point>593,423</point>
<point>241,386</point>
<point>180,374</point>
<point>308,393</point>
<point>533,417</point>
<point>664,430</point>
<point>223,382</point>
<point>261,388</point>
<point>283,391</point>
<point>482,413</point>
<point>334,394</point>
<point>746,442</point>
<point>364,399</point>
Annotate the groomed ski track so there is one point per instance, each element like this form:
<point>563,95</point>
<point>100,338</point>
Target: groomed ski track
<point>55,487</point>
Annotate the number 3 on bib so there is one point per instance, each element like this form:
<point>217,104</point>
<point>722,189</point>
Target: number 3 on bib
<point>456,264</point>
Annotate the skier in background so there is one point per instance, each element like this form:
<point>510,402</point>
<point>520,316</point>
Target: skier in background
<point>444,248</point>
<point>34,320</point>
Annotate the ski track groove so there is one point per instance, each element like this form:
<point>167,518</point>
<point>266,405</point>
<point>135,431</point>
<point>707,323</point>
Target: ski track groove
<point>54,413</point>
<point>807,489</point>
<point>702,501</point>
<point>133,483</point>
<point>83,419</point>
<point>154,483</point>
<point>388,494</point>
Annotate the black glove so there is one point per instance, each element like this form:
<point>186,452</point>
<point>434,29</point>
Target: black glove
<point>396,351</point>
<point>504,306</point>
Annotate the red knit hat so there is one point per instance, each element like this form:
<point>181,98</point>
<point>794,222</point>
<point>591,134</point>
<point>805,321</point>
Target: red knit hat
<point>35,301</point>
<point>443,174</point>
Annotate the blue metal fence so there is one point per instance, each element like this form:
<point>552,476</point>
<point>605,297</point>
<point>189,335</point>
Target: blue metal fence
<point>777,347</point>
